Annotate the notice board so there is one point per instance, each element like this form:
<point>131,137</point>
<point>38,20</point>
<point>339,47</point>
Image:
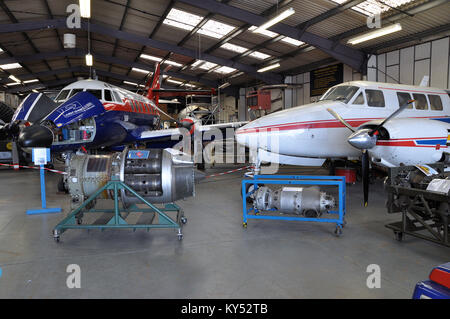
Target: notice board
<point>324,78</point>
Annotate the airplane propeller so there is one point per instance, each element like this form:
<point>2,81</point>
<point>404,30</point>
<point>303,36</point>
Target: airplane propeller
<point>365,139</point>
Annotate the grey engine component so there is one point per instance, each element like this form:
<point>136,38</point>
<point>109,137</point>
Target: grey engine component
<point>307,201</point>
<point>161,177</point>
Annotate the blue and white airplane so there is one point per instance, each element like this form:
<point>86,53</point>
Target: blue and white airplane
<point>91,114</point>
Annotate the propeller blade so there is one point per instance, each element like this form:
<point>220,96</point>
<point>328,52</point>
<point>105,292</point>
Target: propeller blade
<point>340,119</point>
<point>400,109</point>
<point>365,176</point>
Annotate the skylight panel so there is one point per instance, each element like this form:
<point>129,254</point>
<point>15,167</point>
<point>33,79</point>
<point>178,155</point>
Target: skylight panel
<point>215,29</point>
<point>372,7</point>
<point>224,70</point>
<point>233,47</point>
<point>259,55</point>
<point>10,66</point>
<point>182,19</point>
<point>203,65</point>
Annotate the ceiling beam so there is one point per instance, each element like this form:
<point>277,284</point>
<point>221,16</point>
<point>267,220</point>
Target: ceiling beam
<point>267,77</point>
<point>352,57</point>
<point>106,59</point>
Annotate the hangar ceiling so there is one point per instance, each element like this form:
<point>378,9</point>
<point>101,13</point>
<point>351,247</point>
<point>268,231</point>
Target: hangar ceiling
<point>201,43</point>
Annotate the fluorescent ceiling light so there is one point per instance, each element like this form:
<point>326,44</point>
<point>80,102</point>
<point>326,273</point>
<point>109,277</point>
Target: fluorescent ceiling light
<point>283,15</point>
<point>150,57</point>
<point>225,85</point>
<point>10,66</point>
<point>270,67</point>
<point>130,83</point>
<point>174,81</point>
<point>35,91</point>
<point>235,75</point>
<point>30,81</point>
<point>85,8</point>
<point>267,33</point>
<point>140,70</point>
<point>13,83</point>
<point>375,34</point>
<point>12,77</point>
<point>89,59</point>
<point>169,62</point>
<point>292,41</point>
<point>224,70</point>
<point>189,85</point>
<point>182,19</point>
<point>372,7</point>
<point>215,29</point>
<point>271,34</point>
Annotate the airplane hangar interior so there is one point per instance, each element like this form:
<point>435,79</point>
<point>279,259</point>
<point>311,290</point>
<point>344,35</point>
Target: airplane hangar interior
<point>224,149</point>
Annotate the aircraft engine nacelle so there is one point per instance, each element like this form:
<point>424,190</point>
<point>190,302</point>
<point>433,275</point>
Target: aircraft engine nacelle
<point>159,176</point>
<point>409,142</point>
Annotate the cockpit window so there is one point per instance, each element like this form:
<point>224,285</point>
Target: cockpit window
<point>62,96</point>
<point>108,96</point>
<point>75,91</point>
<point>96,93</point>
<point>341,93</point>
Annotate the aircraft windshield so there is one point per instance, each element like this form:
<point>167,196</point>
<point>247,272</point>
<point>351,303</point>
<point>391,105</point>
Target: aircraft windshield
<point>341,93</point>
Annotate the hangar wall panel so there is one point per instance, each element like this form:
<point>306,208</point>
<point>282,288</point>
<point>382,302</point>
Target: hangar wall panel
<point>439,62</point>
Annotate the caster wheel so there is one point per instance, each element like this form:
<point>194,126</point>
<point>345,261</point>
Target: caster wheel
<point>344,223</point>
<point>244,225</point>
<point>338,231</point>
<point>183,220</point>
<point>398,235</point>
<point>180,237</point>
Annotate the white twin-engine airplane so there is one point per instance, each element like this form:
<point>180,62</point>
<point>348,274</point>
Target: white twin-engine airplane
<point>391,124</point>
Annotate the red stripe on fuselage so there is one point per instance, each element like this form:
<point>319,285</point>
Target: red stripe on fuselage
<point>131,106</point>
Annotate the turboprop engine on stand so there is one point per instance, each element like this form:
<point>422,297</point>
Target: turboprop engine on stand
<point>158,175</point>
<point>307,201</point>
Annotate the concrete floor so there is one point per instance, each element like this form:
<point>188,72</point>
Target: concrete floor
<point>218,258</point>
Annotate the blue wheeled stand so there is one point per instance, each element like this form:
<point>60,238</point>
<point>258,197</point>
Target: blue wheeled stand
<point>44,209</point>
<point>305,180</point>
<point>117,221</point>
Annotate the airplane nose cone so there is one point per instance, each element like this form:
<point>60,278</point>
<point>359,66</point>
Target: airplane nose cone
<point>35,136</point>
<point>362,140</point>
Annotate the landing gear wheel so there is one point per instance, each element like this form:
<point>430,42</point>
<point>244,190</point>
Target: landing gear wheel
<point>338,231</point>
<point>398,235</point>
<point>183,220</point>
<point>244,225</point>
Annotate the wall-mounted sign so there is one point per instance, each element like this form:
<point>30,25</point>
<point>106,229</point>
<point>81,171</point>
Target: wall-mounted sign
<point>324,78</point>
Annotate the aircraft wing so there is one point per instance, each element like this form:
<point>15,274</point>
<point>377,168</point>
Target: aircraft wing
<point>167,134</point>
<point>219,126</point>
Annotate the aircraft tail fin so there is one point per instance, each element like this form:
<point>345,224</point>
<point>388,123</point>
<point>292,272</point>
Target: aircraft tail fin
<point>425,81</point>
<point>154,83</point>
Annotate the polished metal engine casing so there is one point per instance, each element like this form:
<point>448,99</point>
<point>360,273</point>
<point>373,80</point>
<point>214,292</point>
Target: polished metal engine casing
<point>308,201</point>
<point>165,176</point>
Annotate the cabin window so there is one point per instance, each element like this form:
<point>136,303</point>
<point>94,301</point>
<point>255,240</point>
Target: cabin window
<point>375,98</point>
<point>359,99</point>
<point>75,91</point>
<point>108,96</point>
<point>342,93</point>
<point>421,102</point>
<point>62,96</point>
<point>117,97</point>
<point>404,98</point>
<point>435,102</point>
<point>96,93</point>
